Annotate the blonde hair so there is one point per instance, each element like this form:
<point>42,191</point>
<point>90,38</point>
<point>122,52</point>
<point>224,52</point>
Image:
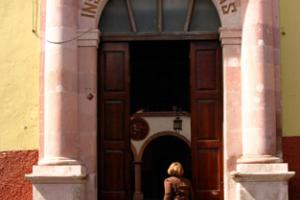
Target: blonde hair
<point>175,169</point>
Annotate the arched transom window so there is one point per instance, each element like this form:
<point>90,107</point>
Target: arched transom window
<point>159,16</point>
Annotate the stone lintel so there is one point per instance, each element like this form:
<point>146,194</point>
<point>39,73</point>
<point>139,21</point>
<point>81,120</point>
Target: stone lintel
<point>230,36</point>
<point>72,174</point>
<point>88,37</point>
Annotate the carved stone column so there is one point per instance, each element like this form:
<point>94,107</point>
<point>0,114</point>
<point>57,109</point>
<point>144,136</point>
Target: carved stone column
<point>138,194</point>
<point>258,84</point>
<point>59,174</point>
<point>259,173</point>
<point>60,84</point>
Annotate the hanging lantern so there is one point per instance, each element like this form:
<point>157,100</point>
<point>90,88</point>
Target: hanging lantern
<point>177,124</point>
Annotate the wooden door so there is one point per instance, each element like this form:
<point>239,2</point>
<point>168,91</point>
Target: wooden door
<point>113,165</point>
<point>206,112</point>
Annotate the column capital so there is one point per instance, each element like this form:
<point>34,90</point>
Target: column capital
<point>230,36</point>
<point>88,37</point>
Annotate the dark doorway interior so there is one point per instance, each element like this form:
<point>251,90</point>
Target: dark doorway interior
<point>157,157</point>
<point>159,76</point>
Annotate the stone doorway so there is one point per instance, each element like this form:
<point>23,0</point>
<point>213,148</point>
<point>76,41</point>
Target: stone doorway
<point>124,94</point>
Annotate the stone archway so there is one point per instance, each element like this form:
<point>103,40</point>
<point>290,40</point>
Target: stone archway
<point>230,36</point>
<point>156,136</point>
<point>67,165</point>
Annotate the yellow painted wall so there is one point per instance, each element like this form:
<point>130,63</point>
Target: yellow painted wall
<point>19,77</point>
<point>290,66</point>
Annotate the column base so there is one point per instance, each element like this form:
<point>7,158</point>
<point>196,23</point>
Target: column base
<point>138,196</point>
<point>58,182</point>
<point>262,181</point>
<point>58,161</point>
<point>252,159</point>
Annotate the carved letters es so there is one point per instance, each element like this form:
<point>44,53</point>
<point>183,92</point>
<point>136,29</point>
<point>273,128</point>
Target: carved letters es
<point>227,7</point>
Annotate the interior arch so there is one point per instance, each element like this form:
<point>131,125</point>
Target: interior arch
<point>157,157</point>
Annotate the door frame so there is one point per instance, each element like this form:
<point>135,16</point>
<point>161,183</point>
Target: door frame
<point>230,37</point>
<point>115,39</point>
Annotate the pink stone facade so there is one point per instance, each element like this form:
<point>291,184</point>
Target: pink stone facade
<point>251,125</point>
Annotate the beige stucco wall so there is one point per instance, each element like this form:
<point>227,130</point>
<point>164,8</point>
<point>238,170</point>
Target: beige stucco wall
<point>19,77</point>
<point>290,66</point>
<point>157,125</point>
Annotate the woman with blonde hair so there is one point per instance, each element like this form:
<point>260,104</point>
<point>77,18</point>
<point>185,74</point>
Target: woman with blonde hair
<point>176,186</point>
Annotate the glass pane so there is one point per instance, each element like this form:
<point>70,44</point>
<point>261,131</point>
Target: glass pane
<point>145,12</point>
<point>174,14</point>
<point>205,17</point>
<point>114,18</point>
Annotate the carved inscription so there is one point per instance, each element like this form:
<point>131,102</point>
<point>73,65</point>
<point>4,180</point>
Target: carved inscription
<point>227,7</point>
<point>89,8</point>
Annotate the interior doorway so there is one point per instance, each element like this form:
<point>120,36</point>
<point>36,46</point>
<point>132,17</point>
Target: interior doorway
<point>159,76</point>
<point>157,157</point>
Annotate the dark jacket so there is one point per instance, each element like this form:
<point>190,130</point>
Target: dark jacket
<point>177,188</point>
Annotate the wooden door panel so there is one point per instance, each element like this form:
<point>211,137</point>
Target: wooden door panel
<point>206,72</point>
<point>209,164</point>
<point>113,161</point>
<point>206,112</point>
<point>114,166</point>
<point>114,70</point>
<point>114,120</point>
